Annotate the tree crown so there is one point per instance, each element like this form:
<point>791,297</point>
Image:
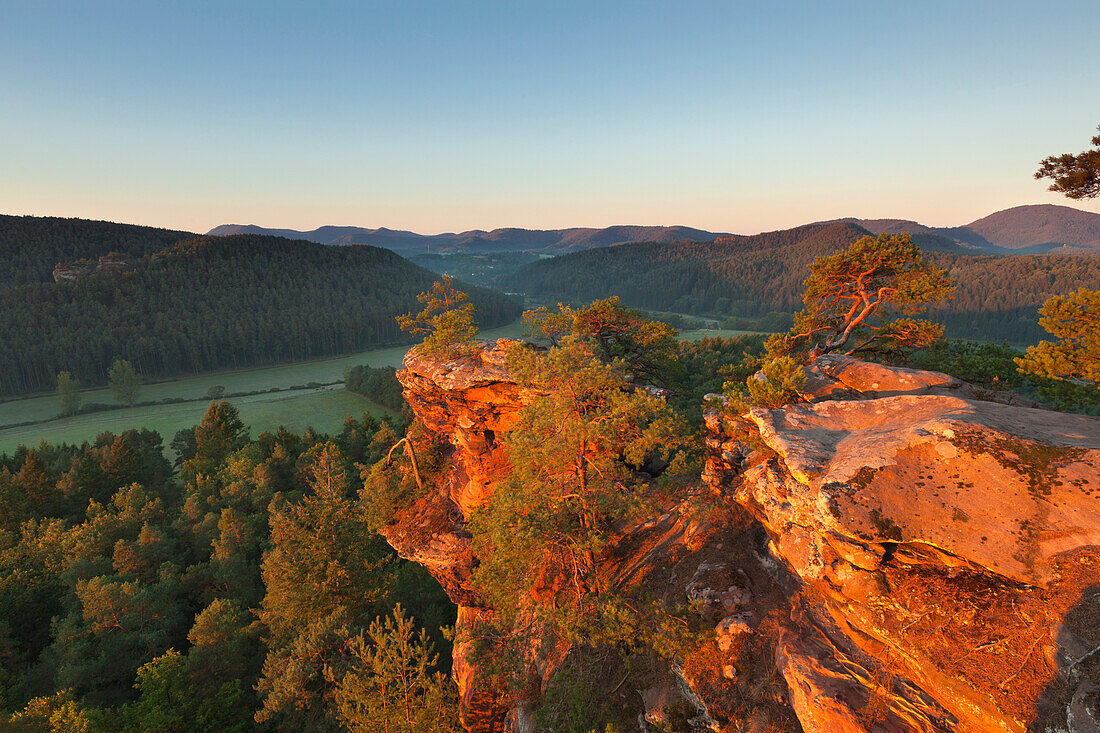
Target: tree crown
<point>1076,176</point>
<point>851,295</point>
<point>447,319</point>
<point>1075,320</point>
<point>649,349</point>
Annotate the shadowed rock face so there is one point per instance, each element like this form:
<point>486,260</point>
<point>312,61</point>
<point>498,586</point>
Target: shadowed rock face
<point>907,558</point>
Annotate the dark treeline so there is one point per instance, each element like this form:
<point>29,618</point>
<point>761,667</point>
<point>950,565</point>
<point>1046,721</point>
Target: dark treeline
<point>215,303</point>
<point>30,246</point>
<point>376,383</point>
<point>227,595</point>
<point>997,298</point>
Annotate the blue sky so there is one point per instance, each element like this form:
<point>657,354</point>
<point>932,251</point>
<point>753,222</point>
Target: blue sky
<point>444,116</point>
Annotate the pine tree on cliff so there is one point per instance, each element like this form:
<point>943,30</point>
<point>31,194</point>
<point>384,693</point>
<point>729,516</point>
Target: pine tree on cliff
<point>863,299</point>
<point>447,322</point>
<point>649,349</point>
<point>575,451</point>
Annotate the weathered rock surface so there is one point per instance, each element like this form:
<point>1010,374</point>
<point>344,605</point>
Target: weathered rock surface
<point>895,510</point>
<point>896,555</point>
<point>467,403</point>
<point>840,377</point>
<point>107,264</point>
<point>689,551</point>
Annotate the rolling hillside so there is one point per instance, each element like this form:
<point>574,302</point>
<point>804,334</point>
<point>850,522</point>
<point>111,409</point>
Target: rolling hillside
<point>997,297</point>
<point>212,303</point>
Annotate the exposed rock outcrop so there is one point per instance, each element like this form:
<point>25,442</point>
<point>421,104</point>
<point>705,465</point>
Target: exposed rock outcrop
<point>895,556</point>
<point>946,549</point>
<point>107,264</point>
<point>466,403</point>
<point>688,552</point>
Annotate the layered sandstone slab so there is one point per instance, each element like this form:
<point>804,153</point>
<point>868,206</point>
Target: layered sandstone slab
<point>1001,488</point>
<point>947,549</point>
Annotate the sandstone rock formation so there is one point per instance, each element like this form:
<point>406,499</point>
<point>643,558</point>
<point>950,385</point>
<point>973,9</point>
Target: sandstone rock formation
<point>946,551</point>
<point>894,556</point>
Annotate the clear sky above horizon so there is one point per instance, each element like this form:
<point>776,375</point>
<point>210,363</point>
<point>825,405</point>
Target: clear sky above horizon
<point>446,116</point>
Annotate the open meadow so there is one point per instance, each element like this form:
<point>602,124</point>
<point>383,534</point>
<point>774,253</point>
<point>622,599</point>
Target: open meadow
<point>322,407</point>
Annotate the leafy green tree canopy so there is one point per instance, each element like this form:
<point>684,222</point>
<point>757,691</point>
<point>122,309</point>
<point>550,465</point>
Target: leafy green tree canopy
<point>1075,320</point>
<point>124,381</point>
<point>649,349</point>
<point>1076,176</point>
<point>447,319</point>
<point>576,451</point>
<point>390,686</point>
<point>68,393</point>
<point>852,298</point>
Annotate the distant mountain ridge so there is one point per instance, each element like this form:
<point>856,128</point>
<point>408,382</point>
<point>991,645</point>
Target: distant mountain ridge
<point>497,240</point>
<point>997,298</point>
<point>1031,229</point>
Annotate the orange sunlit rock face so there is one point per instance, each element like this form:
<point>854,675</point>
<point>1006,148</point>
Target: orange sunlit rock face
<point>895,555</point>
<point>940,541</point>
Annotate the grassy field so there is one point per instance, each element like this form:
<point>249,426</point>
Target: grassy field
<point>702,333</point>
<point>323,408</point>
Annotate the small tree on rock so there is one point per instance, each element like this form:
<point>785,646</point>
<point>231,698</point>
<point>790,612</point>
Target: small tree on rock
<point>862,299</point>
<point>124,381</point>
<point>447,320</point>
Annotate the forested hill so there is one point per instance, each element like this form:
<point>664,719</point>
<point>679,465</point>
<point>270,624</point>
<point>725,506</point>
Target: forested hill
<point>997,297</point>
<point>478,240</point>
<point>30,246</point>
<point>212,303</point>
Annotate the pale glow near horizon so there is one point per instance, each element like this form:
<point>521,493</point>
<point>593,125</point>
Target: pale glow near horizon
<point>439,118</point>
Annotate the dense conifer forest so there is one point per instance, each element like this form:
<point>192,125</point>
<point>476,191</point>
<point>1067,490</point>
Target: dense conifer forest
<point>30,246</point>
<point>239,586</point>
<point>226,593</point>
<point>997,298</point>
<point>214,303</point>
